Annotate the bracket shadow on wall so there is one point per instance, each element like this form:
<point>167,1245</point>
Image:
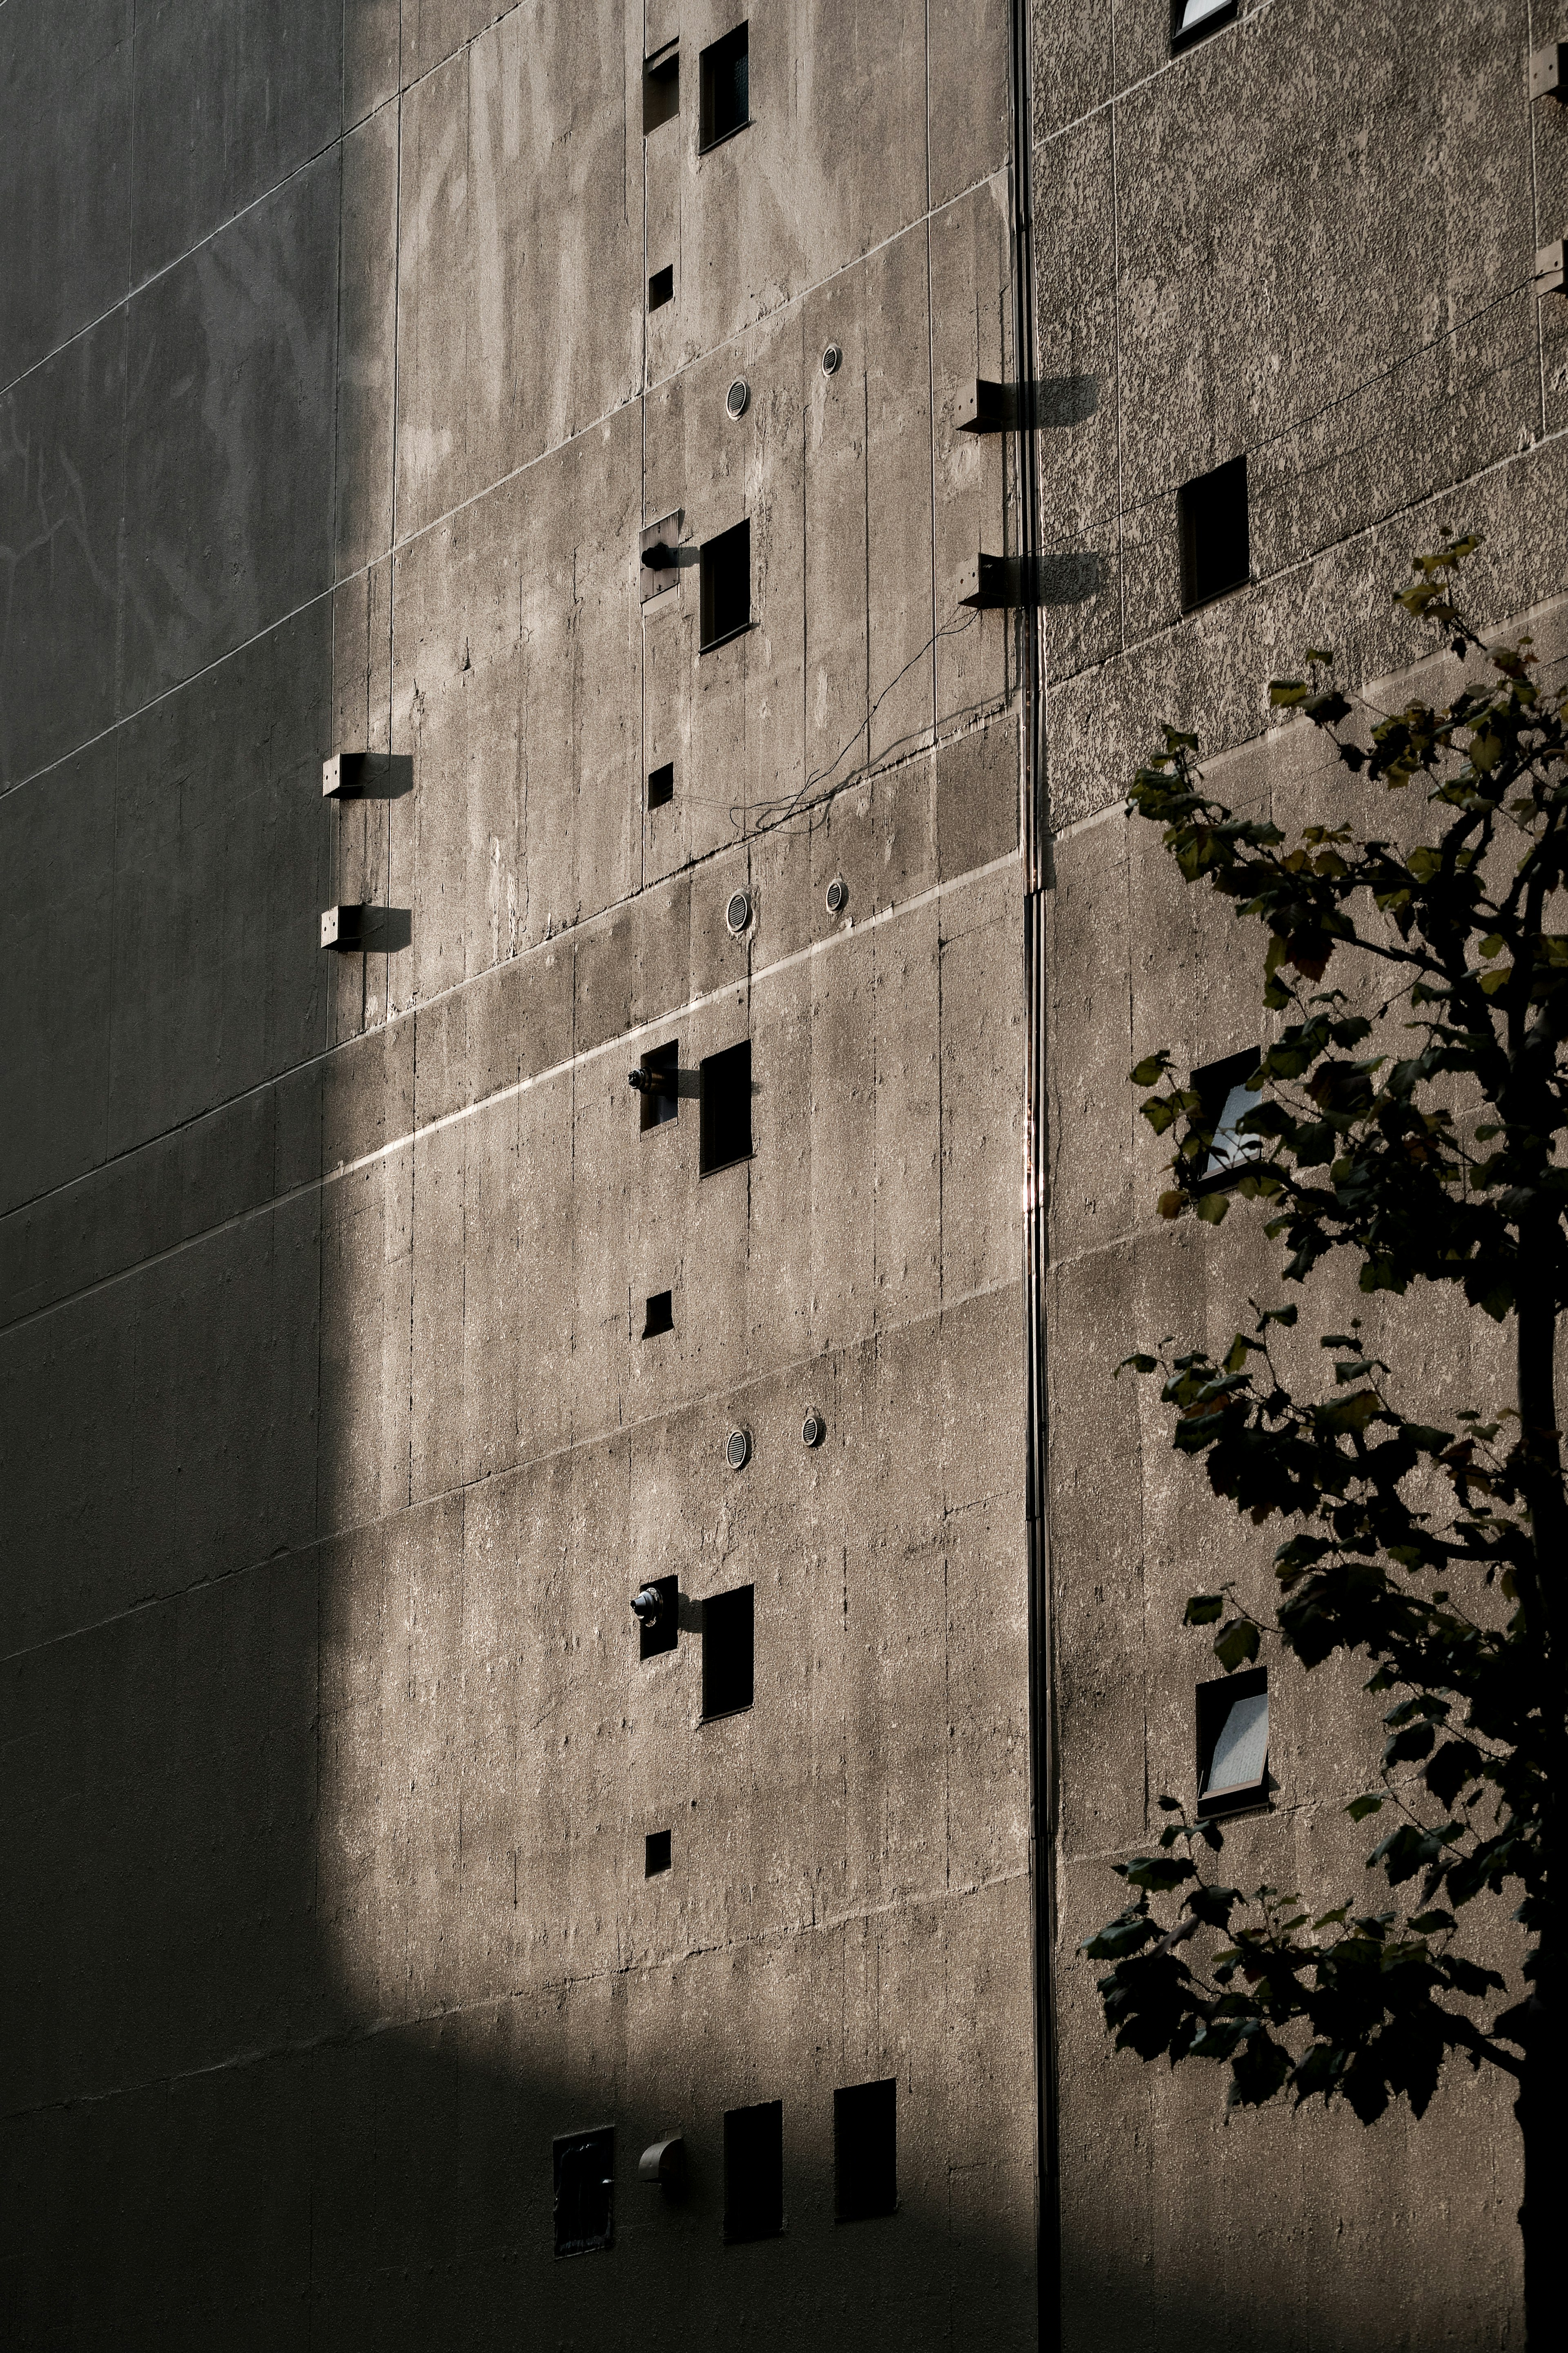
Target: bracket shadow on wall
<point>661,556</point>
<point>367,776</point>
<point>984,407</point>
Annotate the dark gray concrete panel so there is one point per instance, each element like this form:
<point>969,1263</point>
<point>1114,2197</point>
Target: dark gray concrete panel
<point>64,157</point>
<point>56,854</point>
<point>60,466</point>
<point>231,97</point>
<point>228,497</point>
<point>222,871</point>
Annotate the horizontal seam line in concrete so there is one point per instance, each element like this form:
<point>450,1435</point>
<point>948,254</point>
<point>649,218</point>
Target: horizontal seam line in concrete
<point>259,2054</point>
<point>397,547</point>
<point>342,1531</point>
<point>517,1087</point>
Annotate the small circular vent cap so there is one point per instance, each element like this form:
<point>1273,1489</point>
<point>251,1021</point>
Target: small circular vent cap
<point>832,360</point>
<point>738,913</point>
<point>837,895</point>
<point>738,1448</point>
<point>737,399</point>
<point>813,1430</point>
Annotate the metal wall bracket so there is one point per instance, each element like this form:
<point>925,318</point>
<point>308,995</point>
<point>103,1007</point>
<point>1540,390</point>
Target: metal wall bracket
<point>659,547</point>
<point>1551,267</point>
<point>343,927</point>
<point>991,581</point>
<point>1549,71</point>
<point>986,407</point>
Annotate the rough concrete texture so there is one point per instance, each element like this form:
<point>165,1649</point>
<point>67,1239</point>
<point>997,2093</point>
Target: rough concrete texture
<point>1309,239</point>
<point>330,416</point>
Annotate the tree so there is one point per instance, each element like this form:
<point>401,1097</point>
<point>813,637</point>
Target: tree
<point>1437,1553</point>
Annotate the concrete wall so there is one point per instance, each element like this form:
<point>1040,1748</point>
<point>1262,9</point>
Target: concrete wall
<point>330,413</point>
<point>1309,238</point>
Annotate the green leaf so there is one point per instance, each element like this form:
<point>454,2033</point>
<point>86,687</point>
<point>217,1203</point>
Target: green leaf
<point>1150,1069</point>
<point>1236,1645</point>
<point>1213,1207</point>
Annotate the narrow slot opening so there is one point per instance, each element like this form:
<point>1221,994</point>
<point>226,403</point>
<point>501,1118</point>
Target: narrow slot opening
<point>664,1633</point>
<point>726,1108</point>
<point>655,1853</point>
<point>659,1095</point>
<point>1225,1098</point>
<point>728,1631</point>
<point>864,2150</point>
<point>661,287</point>
<point>660,1315</point>
<point>1191,20</point>
<point>725,597</point>
<point>725,71</point>
<point>1233,1743</point>
<point>1216,550</point>
<point>753,2172</point>
<point>584,2171</point>
<point>661,784</point>
<point>660,90</point>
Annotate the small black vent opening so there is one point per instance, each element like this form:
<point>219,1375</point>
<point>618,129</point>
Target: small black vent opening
<point>584,2191</point>
<point>725,71</point>
<point>864,2150</point>
<point>1216,548</point>
<point>659,1099</point>
<point>655,1853</point>
<point>661,784</point>
<point>726,1108</point>
<point>753,2172</point>
<point>661,287</point>
<point>728,1629</point>
<point>726,586</point>
<point>660,90</point>
<point>660,1315</point>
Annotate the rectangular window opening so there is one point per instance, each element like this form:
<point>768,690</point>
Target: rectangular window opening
<point>660,1095</point>
<point>1216,548</point>
<point>665,1631</point>
<point>1225,1097</point>
<point>584,2191</point>
<point>865,2151</point>
<point>726,1108</point>
<point>726,89</point>
<point>655,1853</point>
<point>661,287</point>
<point>1233,1743</point>
<point>1191,20</point>
<point>725,583</point>
<point>728,1629</point>
<point>660,90</point>
<point>753,2172</point>
<point>660,1315</point>
<point>661,784</point>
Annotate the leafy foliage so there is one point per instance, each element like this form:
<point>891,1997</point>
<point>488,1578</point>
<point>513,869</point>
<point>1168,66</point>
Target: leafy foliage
<point>1418,1127</point>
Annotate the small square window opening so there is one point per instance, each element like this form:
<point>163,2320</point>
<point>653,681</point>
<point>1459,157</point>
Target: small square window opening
<point>726,89</point>
<point>584,2191</point>
<point>655,1853</point>
<point>1191,20</point>
<point>725,589</point>
<point>660,1316</point>
<point>663,1634</point>
<point>660,90</point>
<point>1233,1743</point>
<point>865,2151</point>
<point>1225,1095</point>
<point>661,287</point>
<point>753,2172</point>
<point>726,1108</point>
<point>728,1631</point>
<point>661,784</point>
<point>660,1100</point>
<point>1216,549</point>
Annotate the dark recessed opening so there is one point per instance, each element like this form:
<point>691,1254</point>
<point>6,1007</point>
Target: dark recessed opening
<point>660,1315</point>
<point>659,1101</point>
<point>726,87</point>
<point>655,1853</point>
<point>1225,1099</point>
<point>661,287</point>
<point>726,1633</point>
<point>1233,1743</point>
<point>585,2190</point>
<point>1217,553</point>
<point>726,586</point>
<point>865,2151</point>
<point>661,784</point>
<point>660,90</point>
<point>754,2171</point>
<point>726,1108</point>
<point>665,1631</point>
<point>1191,20</point>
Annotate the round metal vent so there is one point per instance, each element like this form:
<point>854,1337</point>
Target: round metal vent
<point>837,895</point>
<point>737,399</point>
<point>738,913</point>
<point>813,1430</point>
<point>738,1448</point>
<point>832,360</point>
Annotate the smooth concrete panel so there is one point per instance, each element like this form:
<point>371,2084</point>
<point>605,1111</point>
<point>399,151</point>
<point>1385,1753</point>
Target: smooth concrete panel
<point>251,89</point>
<point>62,462</point>
<point>368,319</point>
<point>65,168</point>
<point>228,488</point>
